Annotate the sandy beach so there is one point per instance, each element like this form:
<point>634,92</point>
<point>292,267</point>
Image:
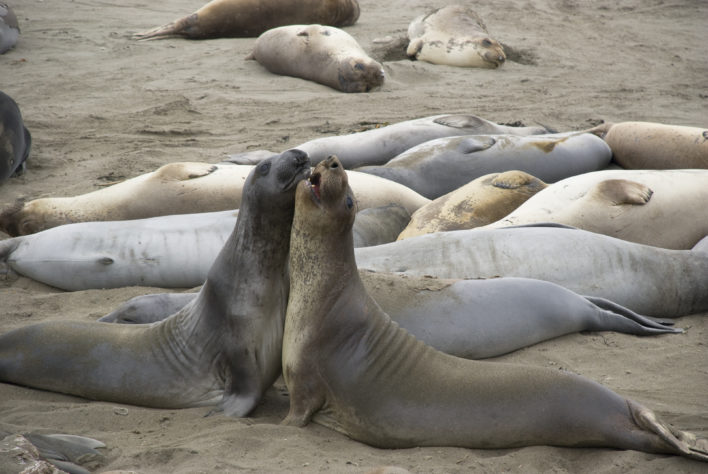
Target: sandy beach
<point>103,107</point>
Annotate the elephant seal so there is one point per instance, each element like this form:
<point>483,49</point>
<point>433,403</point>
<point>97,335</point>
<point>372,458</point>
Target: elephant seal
<point>176,188</point>
<point>378,145</point>
<point>9,29</point>
<point>649,280</point>
<point>455,36</point>
<point>348,367</point>
<point>440,166</point>
<point>323,54</point>
<point>223,348</point>
<point>474,319</point>
<point>250,18</point>
<point>15,139</point>
<point>662,208</point>
<point>647,145</point>
<point>173,251</point>
<point>480,202</point>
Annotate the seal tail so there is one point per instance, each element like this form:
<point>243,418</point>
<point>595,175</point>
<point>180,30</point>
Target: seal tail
<point>170,30</point>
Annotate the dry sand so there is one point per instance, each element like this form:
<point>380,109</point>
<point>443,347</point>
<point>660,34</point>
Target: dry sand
<point>102,107</point>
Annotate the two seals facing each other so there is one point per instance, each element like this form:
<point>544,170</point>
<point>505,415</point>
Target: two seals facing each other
<point>339,348</point>
<point>250,18</point>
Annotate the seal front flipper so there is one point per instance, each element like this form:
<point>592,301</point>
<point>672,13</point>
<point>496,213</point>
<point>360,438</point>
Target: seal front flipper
<point>622,191</point>
<point>184,171</point>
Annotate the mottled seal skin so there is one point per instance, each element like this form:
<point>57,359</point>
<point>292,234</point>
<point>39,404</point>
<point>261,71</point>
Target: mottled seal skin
<point>649,280</point>
<point>456,36</point>
<point>474,319</point>
<point>480,202</point>
<point>15,139</point>
<point>250,18</point>
<point>347,366</point>
<point>440,166</point>
<point>378,145</point>
<point>648,145</point>
<point>223,348</point>
<point>662,208</point>
<point>9,29</point>
<point>176,188</point>
<point>323,54</point>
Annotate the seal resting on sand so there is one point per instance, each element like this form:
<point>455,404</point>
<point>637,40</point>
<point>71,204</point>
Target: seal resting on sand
<point>15,139</point>
<point>250,18</point>
<point>648,145</point>
<point>9,29</point>
<point>223,348</point>
<point>322,54</point>
<point>347,366</point>
<point>456,36</point>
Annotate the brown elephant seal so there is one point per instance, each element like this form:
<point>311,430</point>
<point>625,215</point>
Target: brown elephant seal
<point>347,366</point>
<point>322,54</point>
<point>223,348</point>
<point>15,139</point>
<point>456,36</point>
<point>250,18</point>
<point>176,188</point>
<point>661,208</point>
<point>647,145</point>
<point>9,29</point>
<point>480,202</point>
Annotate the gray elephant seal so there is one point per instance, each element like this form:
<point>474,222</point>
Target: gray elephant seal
<point>15,139</point>
<point>347,366</point>
<point>649,280</point>
<point>456,36</point>
<point>647,145</point>
<point>480,202</point>
<point>250,18</point>
<point>176,188</point>
<point>662,208</point>
<point>440,166</point>
<point>378,145</point>
<point>323,54</point>
<point>221,348</point>
<point>9,29</point>
<point>474,319</point>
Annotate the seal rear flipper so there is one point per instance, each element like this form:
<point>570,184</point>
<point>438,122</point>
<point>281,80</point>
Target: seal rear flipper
<point>67,452</point>
<point>702,245</point>
<point>179,27</point>
<point>629,321</point>
<point>7,246</point>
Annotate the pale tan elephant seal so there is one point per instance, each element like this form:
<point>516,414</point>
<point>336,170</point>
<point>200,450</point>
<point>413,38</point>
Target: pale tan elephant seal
<point>480,202</point>
<point>456,36</point>
<point>250,18</point>
<point>322,54</point>
<point>347,366</point>
<point>647,145</point>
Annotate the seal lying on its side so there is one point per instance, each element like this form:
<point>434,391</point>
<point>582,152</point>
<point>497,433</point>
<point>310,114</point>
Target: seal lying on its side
<point>350,368</point>
<point>250,18</point>
<point>479,202</point>
<point>649,280</point>
<point>15,139</point>
<point>454,35</point>
<point>378,145</point>
<point>322,54</point>
<point>440,166</point>
<point>221,348</point>
<point>662,208</point>
<point>177,188</point>
<point>474,319</point>
<point>9,29</point>
<point>647,145</point>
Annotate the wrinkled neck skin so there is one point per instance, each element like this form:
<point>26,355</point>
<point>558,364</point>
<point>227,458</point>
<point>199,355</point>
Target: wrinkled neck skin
<point>238,316</point>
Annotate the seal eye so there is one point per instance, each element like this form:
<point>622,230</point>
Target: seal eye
<point>359,66</point>
<point>264,168</point>
<point>486,42</point>
<point>350,202</point>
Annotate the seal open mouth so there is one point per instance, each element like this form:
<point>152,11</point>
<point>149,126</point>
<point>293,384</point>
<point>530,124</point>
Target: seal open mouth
<point>314,184</point>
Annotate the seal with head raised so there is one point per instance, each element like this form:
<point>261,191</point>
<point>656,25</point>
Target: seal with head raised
<point>224,347</point>
<point>347,366</point>
<point>15,139</point>
<point>456,36</point>
<point>648,145</point>
<point>322,54</point>
<point>249,18</point>
<point>9,29</point>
